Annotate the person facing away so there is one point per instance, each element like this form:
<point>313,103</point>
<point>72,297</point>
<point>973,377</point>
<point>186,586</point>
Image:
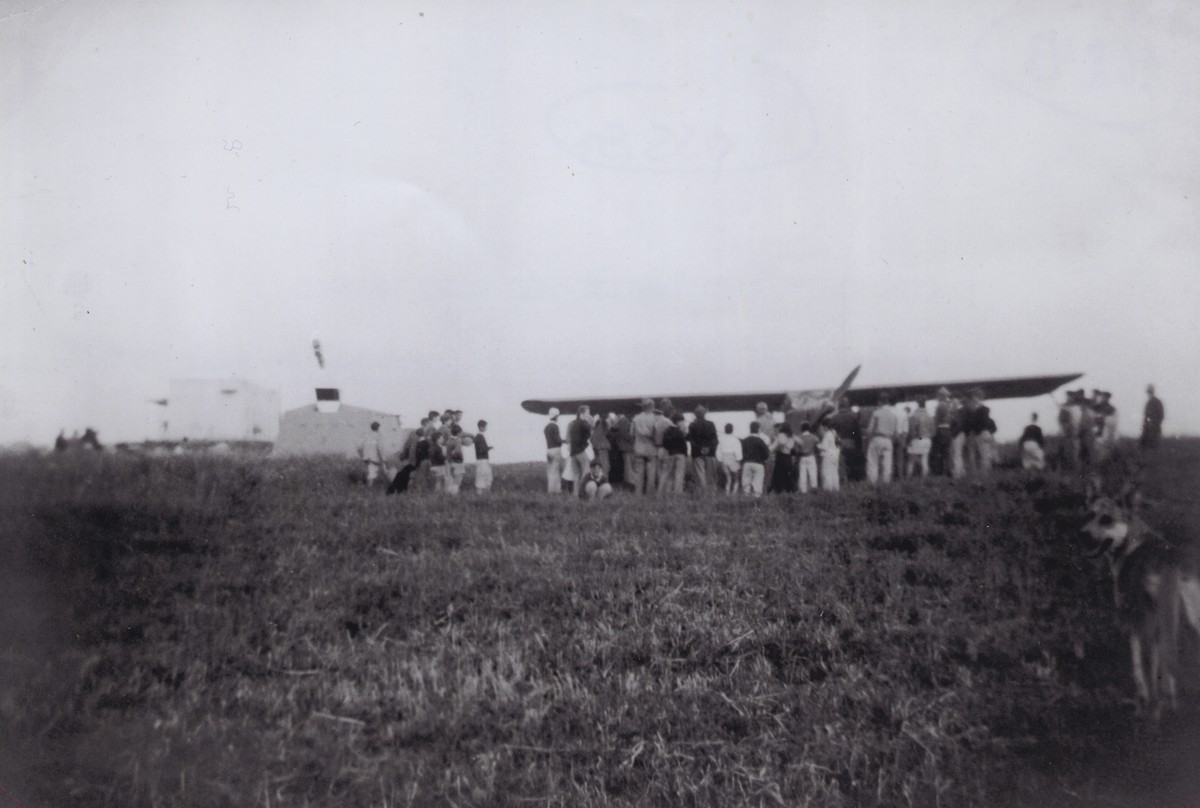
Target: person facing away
<point>645,449</point>
<point>601,442</point>
<point>921,430</point>
<point>755,452</point>
<point>806,448</point>
<point>621,437</point>
<point>845,423</point>
<point>1033,446</point>
<point>579,435</point>
<point>703,439</point>
<point>554,458</point>
<point>371,452</point>
<point>830,458</point>
<point>881,430</point>
<point>939,453</point>
<point>674,466</point>
<point>1152,419</point>
<point>729,455</point>
<point>783,475</point>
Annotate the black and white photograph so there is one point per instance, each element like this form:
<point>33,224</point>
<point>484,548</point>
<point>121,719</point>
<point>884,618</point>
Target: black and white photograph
<point>599,404</point>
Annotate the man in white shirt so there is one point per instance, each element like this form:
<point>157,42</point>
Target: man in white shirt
<point>881,431</point>
<point>729,455</point>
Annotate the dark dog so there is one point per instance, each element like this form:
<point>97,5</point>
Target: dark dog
<point>1154,585</point>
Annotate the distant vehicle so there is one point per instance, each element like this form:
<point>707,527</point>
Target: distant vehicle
<point>813,405</point>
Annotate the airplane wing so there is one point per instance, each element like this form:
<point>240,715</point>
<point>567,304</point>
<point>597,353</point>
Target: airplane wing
<point>1011,387</point>
<point>715,402</point>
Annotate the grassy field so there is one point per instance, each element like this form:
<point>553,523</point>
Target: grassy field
<point>223,632</point>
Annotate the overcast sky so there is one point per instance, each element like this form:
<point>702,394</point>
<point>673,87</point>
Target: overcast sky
<point>475,203</point>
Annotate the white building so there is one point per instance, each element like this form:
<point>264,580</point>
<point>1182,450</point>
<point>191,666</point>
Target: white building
<point>220,410</point>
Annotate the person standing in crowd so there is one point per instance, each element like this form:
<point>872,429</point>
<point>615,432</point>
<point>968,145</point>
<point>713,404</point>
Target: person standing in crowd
<point>371,452</point>
<point>920,439</point>
<point>621,440</point>
<point>845,423</point>
<point>767,430</point>
<point>939,453</point>
<point>645,449</point>
<point>703,439</point>
<point>1152,419</point>
<point>1033,446</point>
<point>483,465</point>
<point>958,438</point>
<point>831,478</point>
<point>554,458</point>
<point>579,436</point>
<point>980,431</point>
<point>675,448</point>
<point>806,449</point>
<point>1087,430</point>
<point>437,463</point>
<point>456,468</point>
<point>1106,426</point>
<point>1069,416</point>
<point>881,431</point>
<point>666,416</point>
<point>755,452</point>
<point>601,443</point>
<point>783,474</point>
<point>729,456</point>
<point>900,442</point>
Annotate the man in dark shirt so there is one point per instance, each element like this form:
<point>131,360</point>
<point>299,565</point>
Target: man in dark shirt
<point>845,424</point>
<point>754,460</point>
<point>483,466</point>
<point>601,444</point>
<point>675,447</point>
<point>579,436</point>
<point>703,438</point>
<point>1033,446</point>
<point>554,458</point>
<point>979,428</point>
<point>1152,419</point>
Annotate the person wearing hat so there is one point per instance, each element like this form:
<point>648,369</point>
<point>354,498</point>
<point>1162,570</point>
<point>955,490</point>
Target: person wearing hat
<point>703,438</point>
<point>646,442</point>
<point>371,452</point>
<point>554,458</point>
<point>1152,419</point>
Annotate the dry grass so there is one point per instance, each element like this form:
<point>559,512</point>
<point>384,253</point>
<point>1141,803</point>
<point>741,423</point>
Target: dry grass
<point>215,632</point>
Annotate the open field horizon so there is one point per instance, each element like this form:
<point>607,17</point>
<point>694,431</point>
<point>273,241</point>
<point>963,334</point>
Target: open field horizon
<point>237,631</point>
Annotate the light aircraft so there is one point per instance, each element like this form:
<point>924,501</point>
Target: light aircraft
<point>812,405</point>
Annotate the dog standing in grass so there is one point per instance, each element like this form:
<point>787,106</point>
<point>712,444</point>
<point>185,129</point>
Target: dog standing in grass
<point>1156,586</point>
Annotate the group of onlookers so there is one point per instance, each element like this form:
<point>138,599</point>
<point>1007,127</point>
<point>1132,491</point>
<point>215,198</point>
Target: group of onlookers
<point>432,458</point>
<point>658,450</point>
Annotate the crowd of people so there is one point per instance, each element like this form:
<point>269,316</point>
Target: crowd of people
<point>432,458</point>
<point>661,451</point>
